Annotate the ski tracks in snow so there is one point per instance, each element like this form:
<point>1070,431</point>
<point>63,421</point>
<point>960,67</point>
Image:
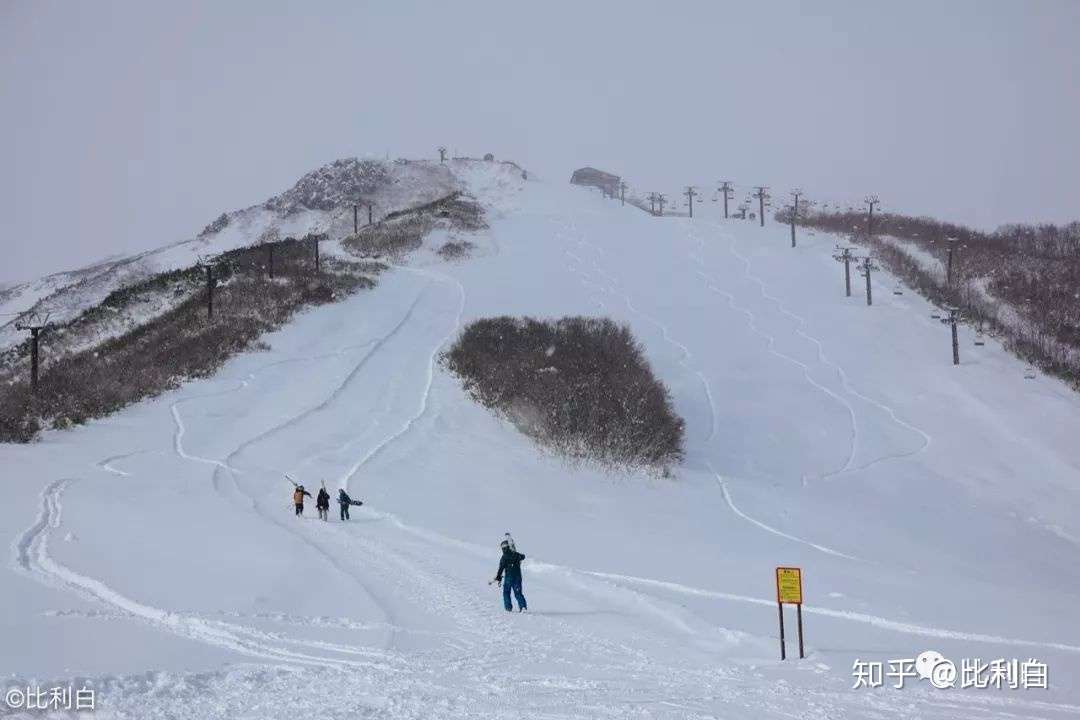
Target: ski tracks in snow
<point>685,356</point>
<point>800,330</point>
<point>32,557</point>
<point>571,233</point>
<point>768,528</point>
<point>770,346</point>
<point>428,381</point>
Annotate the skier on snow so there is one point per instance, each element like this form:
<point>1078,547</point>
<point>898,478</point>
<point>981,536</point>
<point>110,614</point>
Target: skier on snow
<point>345,501</point>
<point>322,503</point>
<point>509,575</point>
<point>298,499</point>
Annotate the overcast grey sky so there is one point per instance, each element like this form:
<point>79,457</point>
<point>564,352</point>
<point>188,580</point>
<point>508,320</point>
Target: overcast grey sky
<point>130,125</point>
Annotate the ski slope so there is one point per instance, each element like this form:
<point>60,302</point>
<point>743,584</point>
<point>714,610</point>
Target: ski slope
<point>155,553</point>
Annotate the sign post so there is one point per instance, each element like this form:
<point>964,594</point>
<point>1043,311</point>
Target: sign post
<point>789,590</point>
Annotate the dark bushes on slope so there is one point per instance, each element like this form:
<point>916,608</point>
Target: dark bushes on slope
<point>395,237</point>
<point>180,344</point>
<point>580,386</point>
<point>455,250</point>
<point>1033,271</point>
<point>403,231</point>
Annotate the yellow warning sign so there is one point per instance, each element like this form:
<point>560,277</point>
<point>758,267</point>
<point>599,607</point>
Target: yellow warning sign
<point>789,585</point>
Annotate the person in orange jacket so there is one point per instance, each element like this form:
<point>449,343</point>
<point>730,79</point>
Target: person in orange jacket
<point>298,499</point>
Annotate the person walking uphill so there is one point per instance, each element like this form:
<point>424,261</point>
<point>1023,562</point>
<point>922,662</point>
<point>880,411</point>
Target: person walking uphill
<point>298,499</point>
<point>345,501</point>
<point>322,504</point>
<point>510,576</point>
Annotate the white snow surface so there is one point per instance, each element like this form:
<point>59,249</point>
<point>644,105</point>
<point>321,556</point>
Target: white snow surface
<point>155,554</point>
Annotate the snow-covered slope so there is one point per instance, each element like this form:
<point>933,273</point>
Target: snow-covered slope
<point>931,507</point>
<point>321,201</point>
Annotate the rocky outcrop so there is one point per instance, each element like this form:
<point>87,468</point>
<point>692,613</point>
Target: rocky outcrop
<point>340,182</point>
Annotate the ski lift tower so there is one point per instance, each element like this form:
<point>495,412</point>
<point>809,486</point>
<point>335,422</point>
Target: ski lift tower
<point>690,193</point>
<point>954,317</point>
<point>795,195</point>
<point>34,329</point>
<point>728,193</point>
<point>761,192</point>
<point>844,255</point>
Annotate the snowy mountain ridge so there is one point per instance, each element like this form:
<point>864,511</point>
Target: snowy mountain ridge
<point>321,201</point>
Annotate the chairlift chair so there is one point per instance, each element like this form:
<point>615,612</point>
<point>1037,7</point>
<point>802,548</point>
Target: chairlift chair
<point>1029,373</point>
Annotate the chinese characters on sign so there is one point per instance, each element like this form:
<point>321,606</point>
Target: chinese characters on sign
<point>942,673</point>
<point>789,585</point>
<point>54,698</point>
<point>789,590</point>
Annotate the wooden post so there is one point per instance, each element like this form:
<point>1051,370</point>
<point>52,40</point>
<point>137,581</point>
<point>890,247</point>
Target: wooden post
<point>798,614</point>
<point>783,648</point>
<point>355,219</point>
<point>369,213</point>
<point>270,250</point>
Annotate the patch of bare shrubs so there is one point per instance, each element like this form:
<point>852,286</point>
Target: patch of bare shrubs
<point>403,231</point>
<point>180,344</point>
<point>1019,282</point>
<point>455,249</point>
<point>579,386</point>
<point>391,237</point>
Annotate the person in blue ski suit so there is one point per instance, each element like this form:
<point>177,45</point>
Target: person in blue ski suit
<point>345,501</point>
<point>510,576</point>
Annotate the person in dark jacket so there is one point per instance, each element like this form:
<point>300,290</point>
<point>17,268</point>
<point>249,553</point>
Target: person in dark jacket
<point>298,499</point>
<point>322,503</point>
<point>345,501</point>
<point>510,576</point>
